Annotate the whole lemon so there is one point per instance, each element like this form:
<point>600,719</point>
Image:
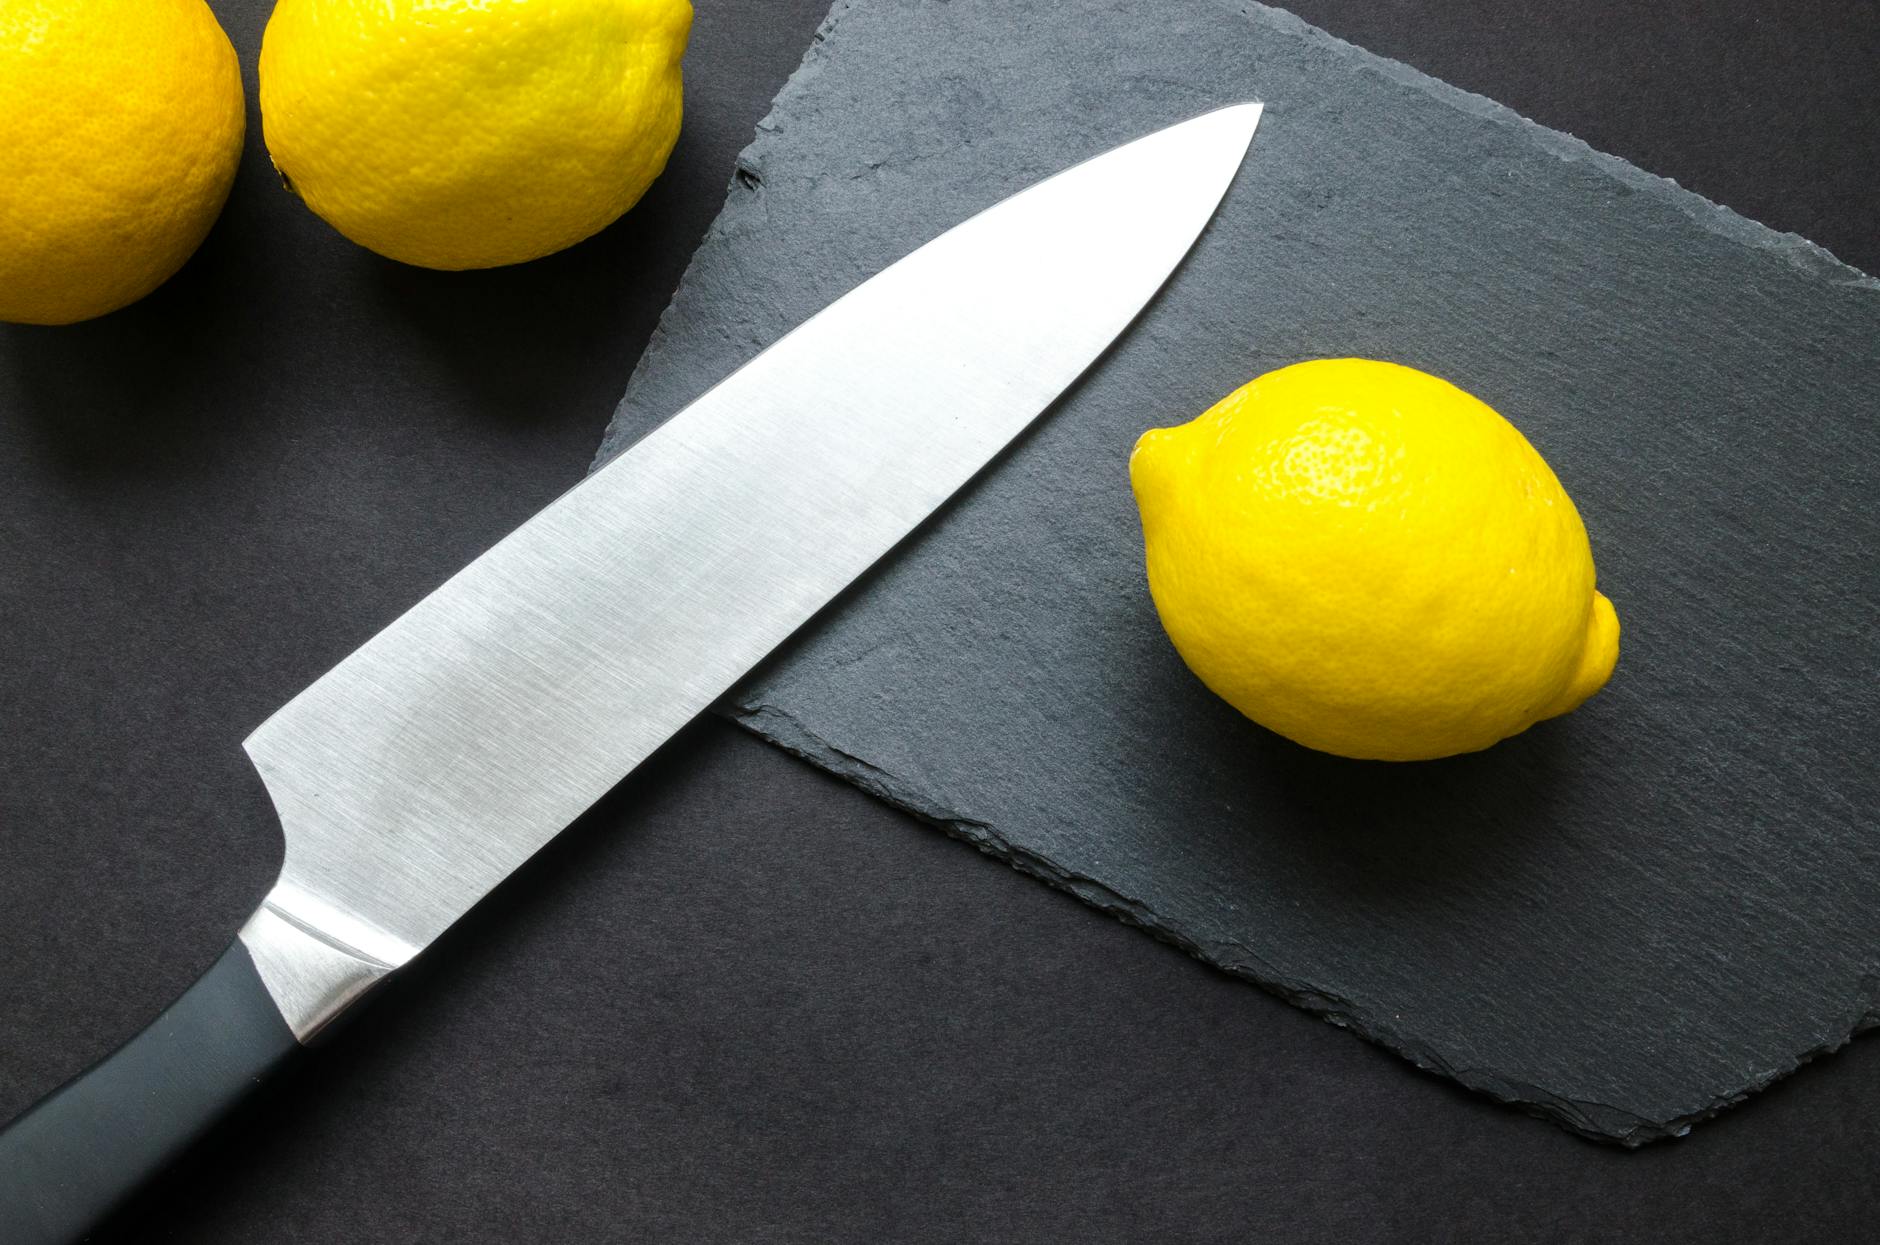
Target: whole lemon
<point>1371,562</point>
<point>120,129</point>
<point>471,133</point>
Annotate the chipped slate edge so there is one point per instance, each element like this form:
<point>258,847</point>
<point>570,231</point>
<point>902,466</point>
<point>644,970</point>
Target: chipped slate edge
<point>1711,216</point>
<point>1594,1120</point>
<point>740,192</point>
<point>741,189</point>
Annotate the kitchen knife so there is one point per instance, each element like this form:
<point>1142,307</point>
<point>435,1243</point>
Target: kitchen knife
<point>425,767</point>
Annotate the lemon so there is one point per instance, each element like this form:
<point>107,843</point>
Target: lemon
<point>471,133</point>
<point>1371,562</point>
<point>120,129</point>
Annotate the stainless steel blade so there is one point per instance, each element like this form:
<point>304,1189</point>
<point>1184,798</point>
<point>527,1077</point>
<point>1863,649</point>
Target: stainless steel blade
<point>430,763</point>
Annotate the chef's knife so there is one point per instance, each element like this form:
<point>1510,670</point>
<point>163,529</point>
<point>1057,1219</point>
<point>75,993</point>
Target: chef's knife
<point>438,757</point>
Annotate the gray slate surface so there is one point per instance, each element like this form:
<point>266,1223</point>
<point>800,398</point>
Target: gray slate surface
<point>1626,919</point>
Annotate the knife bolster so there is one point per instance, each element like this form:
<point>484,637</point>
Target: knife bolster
<point>311,975</point>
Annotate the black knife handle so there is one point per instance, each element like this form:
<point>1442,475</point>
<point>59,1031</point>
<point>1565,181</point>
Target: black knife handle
<point>77,1156</point>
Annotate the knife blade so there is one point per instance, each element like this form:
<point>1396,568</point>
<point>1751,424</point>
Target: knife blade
<point>439,756</point>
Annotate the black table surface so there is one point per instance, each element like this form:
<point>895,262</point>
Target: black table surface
<point>739,1000</point>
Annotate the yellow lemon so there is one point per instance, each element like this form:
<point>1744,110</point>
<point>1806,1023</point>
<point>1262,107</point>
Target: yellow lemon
<point>120,129</point>
<point>471,133</point>
<point>1371,562</point>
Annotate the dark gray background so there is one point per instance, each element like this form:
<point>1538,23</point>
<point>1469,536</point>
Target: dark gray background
<point>740,1000</point>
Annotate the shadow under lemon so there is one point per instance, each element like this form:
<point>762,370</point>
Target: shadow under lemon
<point>1391,831</point>
<point>553,339</point>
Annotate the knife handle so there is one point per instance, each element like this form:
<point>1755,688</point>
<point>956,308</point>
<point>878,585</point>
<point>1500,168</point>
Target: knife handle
<point>74,1158</point>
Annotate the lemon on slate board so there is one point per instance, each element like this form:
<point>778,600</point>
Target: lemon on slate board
<point>471,133</point>
<point>1371,562</point>
<point>120,128</point>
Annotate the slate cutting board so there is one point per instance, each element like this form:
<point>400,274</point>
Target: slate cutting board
<point>1626,919</point>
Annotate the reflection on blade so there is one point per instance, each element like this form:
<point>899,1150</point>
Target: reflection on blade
<point>425,767</point>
